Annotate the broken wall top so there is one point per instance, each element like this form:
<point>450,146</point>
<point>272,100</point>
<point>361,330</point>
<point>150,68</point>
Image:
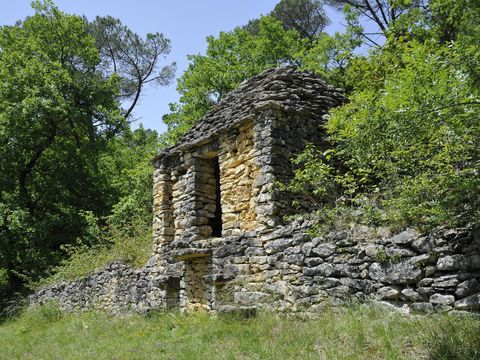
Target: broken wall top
<point>286,88</point>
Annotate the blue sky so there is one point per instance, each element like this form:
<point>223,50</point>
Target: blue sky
<point>185,22</point>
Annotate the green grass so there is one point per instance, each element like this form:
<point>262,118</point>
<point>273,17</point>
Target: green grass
<point>357,332</point>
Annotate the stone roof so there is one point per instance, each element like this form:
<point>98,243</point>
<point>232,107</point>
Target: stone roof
<point>287,88</point>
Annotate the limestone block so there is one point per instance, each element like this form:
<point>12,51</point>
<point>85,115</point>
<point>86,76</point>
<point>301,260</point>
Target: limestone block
<point>169,231</point>
<point>411,295</point>
<point>236,231</point>
<point>458,262</point>
<point>209,208</point>
<point>248,216</point>
<point>439,299</point>
<point>241,206</point>
<point>203,178</point>
<point>423,244</point>
<point>323,269</point>
<point>240,169</point>
<point>467,287</point>
<point>250,298</point>
<point>388,293</point>
<point>445,282</point>
<point>469,303</point>
<point>204,230</point>
<point>324,250</point>
<point>400,273</point>
<point>422,307</point>
<point>225,186</point>
<point>404,238</point>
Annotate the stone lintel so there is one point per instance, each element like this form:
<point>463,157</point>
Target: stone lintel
<point>191,253</point>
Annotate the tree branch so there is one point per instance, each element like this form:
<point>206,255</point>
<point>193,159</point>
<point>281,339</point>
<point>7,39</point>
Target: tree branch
<point>29,167</point>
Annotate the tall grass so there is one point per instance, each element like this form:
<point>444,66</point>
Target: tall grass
<point>356,332</point>
<point>131,244</point>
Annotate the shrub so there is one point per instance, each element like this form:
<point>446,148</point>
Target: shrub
<point>130,243</point>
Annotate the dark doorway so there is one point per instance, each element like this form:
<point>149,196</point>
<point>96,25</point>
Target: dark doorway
<point>216,221</point>
<point>172,294</point>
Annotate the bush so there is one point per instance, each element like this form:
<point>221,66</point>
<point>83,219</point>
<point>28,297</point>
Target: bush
<point>3,279</point>
<point>407,146</point>
<point>130,243</point>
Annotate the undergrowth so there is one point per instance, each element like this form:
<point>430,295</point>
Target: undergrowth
<point>131,244</point>
<point>354,332</point>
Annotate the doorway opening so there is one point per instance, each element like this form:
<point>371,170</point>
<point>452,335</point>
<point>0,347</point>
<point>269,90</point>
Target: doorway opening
<point>172,293</point>
<point>197,292</point>
<point>215,222</point>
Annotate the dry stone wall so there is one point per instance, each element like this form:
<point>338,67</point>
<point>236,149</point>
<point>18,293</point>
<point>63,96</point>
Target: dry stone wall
<point>185,193</point>
<point>286,270</point>
<point>238,169</point>
<point>220,241</point>
<point>116,289</point>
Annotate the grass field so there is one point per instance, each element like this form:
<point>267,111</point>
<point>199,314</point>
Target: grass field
<point>355,332</point>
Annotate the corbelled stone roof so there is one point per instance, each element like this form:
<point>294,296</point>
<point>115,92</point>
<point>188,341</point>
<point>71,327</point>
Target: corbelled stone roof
<point>288,88</point>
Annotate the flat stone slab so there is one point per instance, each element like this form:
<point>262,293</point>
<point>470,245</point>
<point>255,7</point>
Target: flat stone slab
<point>191,253</point>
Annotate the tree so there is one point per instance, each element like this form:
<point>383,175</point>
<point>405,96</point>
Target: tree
<point>127,165</point>
<point>331,55</point>
<point>416,138</point>
<point>231,58</point>
<point>56,114</point>
<point>305,16</point>
<point>420,19</point>
<point>406,143</point>
<point>133,59</point>
<point>383,13</point>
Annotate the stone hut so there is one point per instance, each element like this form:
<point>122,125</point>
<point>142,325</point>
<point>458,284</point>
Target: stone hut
<point>220,243</point>
<point>220,180</point>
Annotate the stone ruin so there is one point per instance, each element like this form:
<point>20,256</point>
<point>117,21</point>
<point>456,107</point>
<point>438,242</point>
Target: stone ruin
<point>220,242</point>
<point>219,181</point>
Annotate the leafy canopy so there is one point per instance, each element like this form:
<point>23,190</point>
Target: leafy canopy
<point>58,116</point>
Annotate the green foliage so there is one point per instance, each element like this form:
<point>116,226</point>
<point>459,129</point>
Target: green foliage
<point>316,180</point>
<point>72,173</point>
<point>355,332</point>
<point>3,279</point>
<point>382,257</point>
<point>307,17</point>
<point>416,138</point>
<point>231,58</point>
<point>393,19</point>
<point>405,145</point>
<point>126,233</point>
<point>56,115</point>
<point>128,243</point>
<point>127,165</point>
